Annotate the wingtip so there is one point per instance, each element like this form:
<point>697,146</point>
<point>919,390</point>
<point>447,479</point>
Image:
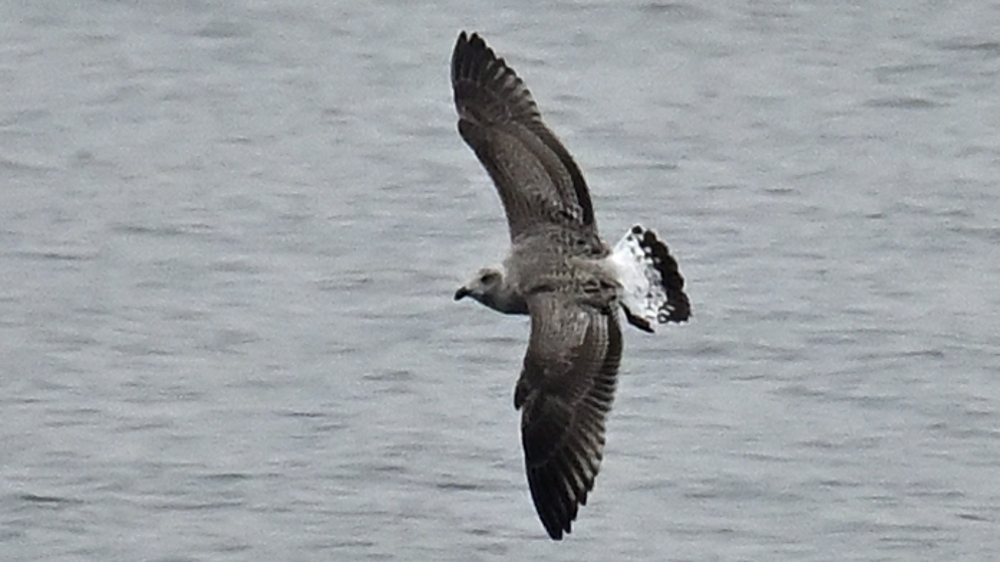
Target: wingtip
<point>466,39</point>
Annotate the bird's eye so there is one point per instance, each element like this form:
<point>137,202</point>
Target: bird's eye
<point>489,277</point>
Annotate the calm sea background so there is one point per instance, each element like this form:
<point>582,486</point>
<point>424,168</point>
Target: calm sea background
<point>230,232</point>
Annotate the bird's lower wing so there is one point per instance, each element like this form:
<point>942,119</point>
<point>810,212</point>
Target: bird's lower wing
<point>566,390</point>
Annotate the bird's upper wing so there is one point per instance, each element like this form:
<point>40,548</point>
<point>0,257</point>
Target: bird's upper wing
<point>565,390</point>
<point>535,175</point>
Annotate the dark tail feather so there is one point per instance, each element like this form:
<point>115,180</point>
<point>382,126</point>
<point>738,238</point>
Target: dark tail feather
<point>678,307</point>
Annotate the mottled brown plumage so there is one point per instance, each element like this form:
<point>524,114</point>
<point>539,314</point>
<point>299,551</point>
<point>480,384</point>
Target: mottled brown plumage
<point>568,380</point>
<point>566,389</point>
<point>535,175</point>
<point>559,272</point>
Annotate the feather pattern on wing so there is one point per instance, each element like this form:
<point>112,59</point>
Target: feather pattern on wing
<point>565,392</point>
<point>536,177</point>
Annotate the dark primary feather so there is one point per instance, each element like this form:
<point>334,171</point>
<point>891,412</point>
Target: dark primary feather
<point>565,391</point>
<point>536,177</point>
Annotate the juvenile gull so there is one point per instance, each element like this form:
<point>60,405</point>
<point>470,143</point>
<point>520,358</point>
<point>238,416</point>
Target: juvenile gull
<point>563,275</point>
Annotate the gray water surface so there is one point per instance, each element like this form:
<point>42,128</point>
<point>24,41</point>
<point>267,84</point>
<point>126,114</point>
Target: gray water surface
<point>230,233</point>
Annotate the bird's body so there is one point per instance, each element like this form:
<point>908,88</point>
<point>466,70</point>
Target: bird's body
<point>563,275</point>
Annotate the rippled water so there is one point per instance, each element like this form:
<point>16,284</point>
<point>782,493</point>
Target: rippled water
<point>230,232</point>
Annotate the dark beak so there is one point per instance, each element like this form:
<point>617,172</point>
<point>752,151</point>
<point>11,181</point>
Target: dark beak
<point>461,293</point>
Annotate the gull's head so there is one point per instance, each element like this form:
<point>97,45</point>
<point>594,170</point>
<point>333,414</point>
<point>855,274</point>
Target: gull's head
<point>483,287</point>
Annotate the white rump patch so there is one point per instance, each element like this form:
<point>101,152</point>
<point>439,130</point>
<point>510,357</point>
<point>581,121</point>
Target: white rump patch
<point>643,295</point>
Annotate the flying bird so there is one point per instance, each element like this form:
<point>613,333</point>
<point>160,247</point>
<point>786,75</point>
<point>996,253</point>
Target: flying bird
<point>561,274</point>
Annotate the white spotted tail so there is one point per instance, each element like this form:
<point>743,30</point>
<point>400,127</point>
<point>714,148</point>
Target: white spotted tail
<point>652,286</point>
